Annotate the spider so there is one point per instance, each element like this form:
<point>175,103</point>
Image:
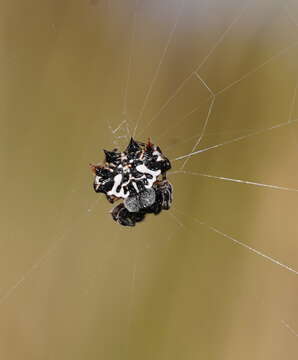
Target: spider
<point>138,176</point>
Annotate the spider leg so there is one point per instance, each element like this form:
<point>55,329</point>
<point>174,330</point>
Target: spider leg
<point>156,207</point>
<point>164,192</point>
<point>167,197</point>
<point>139,216</point>
<point>166,203</point>
<point>93,168</point>
<point>112,198</point>
<point>121,215</point>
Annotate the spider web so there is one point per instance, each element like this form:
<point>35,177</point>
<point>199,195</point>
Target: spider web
<point>216,87</point>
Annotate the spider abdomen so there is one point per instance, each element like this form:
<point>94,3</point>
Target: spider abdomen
<point>138,176</point>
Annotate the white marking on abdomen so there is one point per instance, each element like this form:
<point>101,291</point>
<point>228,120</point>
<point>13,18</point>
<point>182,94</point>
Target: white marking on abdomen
<point>159,158</point>
<point>144,170</point>
<point>117,182</point>
<point>97,179</point>
<point>135,186</point>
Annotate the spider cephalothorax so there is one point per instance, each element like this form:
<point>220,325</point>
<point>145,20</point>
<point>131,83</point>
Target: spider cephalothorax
<point>138,176</point>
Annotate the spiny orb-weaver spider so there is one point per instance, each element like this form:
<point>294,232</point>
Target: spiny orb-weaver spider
<point>138,176</point>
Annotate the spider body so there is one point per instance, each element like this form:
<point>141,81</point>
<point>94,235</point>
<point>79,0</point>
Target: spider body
<point>138,176</point>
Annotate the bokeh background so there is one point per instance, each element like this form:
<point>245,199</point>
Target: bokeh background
<point>78,76</point>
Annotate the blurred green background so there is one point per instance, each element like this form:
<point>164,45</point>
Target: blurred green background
<point>78,76</point>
